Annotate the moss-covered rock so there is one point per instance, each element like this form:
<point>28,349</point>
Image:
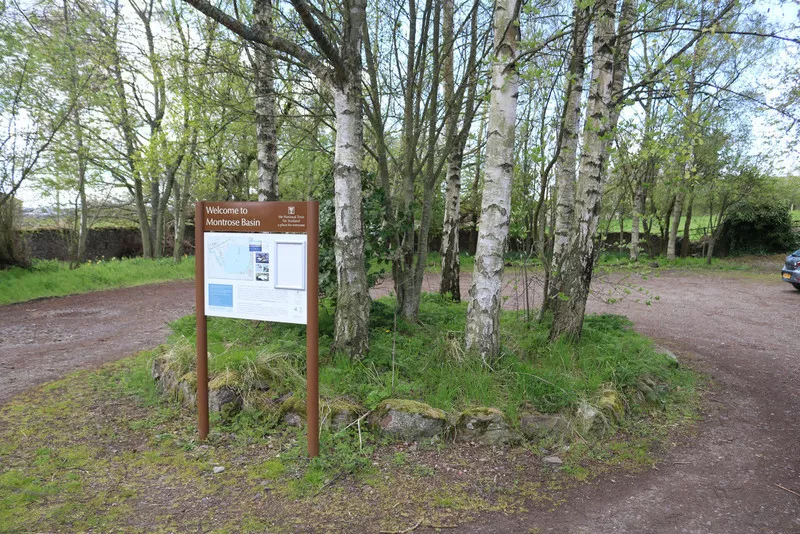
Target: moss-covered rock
<point>166,379</point>
<point>651,392</point>
<point>339,413</point>
<point>536,426</point>
<point>588,419</point>
<point>612,405</point>
<point>224,394</point>
<point>408,420</point>
<point>293,411</point>
<point>227,378</point>
<point>185,390</point>
<point>487,426</point>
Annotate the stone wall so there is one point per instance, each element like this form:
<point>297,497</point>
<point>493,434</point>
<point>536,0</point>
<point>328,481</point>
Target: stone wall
<point>52,244</point>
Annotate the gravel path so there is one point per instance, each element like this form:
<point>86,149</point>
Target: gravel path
<point>738,328</point>
<point>45,339</point>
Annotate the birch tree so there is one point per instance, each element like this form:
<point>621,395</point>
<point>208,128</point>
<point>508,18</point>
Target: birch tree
<point>456,143</point>
<point>608,71</point>
<point>335,60</point>
<point>266,120</point>
<point>566,172</point>
<point>483,312</point>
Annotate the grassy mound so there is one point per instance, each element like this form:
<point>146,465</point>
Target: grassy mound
<point>104,451</point>
<point>426,361</point>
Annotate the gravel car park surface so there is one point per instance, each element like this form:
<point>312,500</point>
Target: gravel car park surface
<point>736,474</point>
<point>45,339</point>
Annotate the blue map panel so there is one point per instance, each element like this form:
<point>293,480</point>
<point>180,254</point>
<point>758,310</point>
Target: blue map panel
<point>220,295</point>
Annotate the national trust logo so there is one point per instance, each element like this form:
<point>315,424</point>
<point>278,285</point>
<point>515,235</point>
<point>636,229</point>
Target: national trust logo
<point>291,210</point>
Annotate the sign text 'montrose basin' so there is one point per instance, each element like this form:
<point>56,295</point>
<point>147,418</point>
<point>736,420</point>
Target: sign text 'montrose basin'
<point>255,217</point>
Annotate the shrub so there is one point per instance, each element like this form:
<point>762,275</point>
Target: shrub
<point>760,228</point>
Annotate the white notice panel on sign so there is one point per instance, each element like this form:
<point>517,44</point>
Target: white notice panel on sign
<point>256,276</point>
<point>290,265</point>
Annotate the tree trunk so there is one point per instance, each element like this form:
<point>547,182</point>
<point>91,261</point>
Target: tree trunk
<point>664,230</point>
<point>431,175</point>
<point>12,249</point>
<point>457,141</point>
<point>476,193</point>
<point>638,210</point>
<point>483,313</point>
<point>353,302</point>
<point>266,129</point>
<point>687,226</point>
<point>602,113</point>
<point>451,266</point>
<point>568,152</point>
<point>160,208</point>
<point>451,263</point>
<point>677,209</point>
<point>82,211</point>
<point>712,240</point>
<point>182,196</point>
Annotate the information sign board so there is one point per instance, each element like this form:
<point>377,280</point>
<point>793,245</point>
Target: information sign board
<point>258,260</point>
<point>256,276</point>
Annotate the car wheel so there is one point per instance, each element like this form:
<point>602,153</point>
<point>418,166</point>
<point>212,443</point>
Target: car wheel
<point>796,286</point>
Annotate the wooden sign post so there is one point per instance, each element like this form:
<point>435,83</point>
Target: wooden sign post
<point>259,261</point>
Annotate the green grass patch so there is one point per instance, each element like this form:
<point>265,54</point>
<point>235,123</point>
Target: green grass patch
<point>426,361</point>
<point>611,259</point>
<point>51,278</point>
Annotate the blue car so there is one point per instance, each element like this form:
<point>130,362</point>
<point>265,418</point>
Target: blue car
<point>791,271</point>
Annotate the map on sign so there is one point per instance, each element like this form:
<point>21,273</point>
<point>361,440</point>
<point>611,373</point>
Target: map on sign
<point>258,276</point>
<point>230,256</point>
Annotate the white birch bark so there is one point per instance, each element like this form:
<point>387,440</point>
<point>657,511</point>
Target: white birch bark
<point>578,260</point>
<point>677,209</point>
<point>452,197</point>
<point>266,136</point>
<point>353,302</point>
<point>568,153</point>
<point>451,266</point>
<point>457,141</point>
<point>483,312</point>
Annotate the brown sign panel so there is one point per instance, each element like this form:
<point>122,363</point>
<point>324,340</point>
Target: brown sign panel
<point>255,217</point>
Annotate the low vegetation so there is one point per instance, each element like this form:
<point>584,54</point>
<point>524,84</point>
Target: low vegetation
<point>426,362</point>
<point>51,278</point>
<point>105,450</point>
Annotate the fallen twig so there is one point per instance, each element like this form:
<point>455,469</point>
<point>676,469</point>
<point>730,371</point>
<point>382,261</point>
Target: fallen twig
<point>357,421</point>
<point>787,489</point>
<point>409,529</point>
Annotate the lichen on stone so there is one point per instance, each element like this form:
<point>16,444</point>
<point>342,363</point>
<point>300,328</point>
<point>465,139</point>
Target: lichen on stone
<point>227,378</point>
<point>408,406</point>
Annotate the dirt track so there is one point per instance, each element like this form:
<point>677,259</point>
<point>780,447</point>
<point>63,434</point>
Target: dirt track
<point>739,328</point>
<point>45,339</point>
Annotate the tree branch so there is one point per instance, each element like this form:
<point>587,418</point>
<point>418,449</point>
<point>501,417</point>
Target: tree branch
<point>311,61</point>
